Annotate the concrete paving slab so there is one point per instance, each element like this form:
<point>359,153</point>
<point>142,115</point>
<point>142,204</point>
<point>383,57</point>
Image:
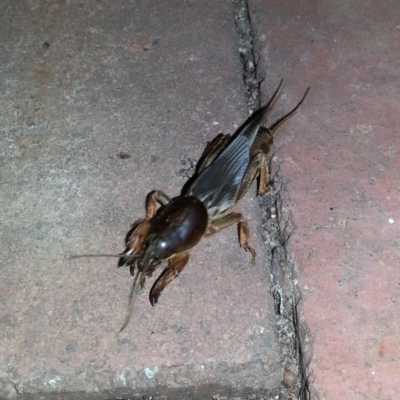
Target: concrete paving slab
<point>342,183</point>
<point>102,102</point>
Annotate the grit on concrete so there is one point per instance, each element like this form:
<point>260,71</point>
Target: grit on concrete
<point>340,162</point>
<point>102,102</point>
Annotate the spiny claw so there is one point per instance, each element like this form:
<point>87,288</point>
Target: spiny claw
<point>175,265</point>
<point>134,242</point>
<point>154,296</point>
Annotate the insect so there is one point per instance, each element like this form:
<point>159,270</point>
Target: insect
<point>224,173</point>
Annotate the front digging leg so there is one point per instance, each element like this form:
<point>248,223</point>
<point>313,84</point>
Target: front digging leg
<point>151,202</point>
<point>176,263</point>
<point>229,220</point>
<point>139,231</point>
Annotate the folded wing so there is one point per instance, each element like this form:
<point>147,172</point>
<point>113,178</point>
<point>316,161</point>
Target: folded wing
<point>218,184</point>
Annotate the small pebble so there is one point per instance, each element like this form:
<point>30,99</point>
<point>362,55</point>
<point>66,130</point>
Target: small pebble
<point>391,221</point>
<point>250,66</point>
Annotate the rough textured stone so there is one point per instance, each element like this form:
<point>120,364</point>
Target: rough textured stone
<point>339,156</point>
<point>84,85</point>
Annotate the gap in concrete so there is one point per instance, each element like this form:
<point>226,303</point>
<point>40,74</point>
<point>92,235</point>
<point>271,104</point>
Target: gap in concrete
<point>295,344</point>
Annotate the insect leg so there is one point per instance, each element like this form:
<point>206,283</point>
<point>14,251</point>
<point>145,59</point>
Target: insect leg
<point>264,176</point>
<point>151,202</point>
<point>257,166</point>
<point>176,263</point>
<point>232,219</point>
<point>243,236</point>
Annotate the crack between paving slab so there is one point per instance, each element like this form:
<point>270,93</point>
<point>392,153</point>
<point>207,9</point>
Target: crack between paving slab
<point>277,227</point>
<point>251,80</point>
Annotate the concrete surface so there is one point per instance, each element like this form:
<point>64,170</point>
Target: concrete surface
<point>82,83</point>
<point>340,160</point>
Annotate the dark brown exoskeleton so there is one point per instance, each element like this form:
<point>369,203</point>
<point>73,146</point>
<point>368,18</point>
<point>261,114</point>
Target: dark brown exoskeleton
<point>224,173</point>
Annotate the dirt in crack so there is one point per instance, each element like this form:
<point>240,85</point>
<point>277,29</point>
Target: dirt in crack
<point>293,338</point>
<point>277,227</point>
<point>248,57</point>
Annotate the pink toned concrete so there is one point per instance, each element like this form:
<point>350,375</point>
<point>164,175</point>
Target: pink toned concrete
<point>80,83</point>
<point>340,157</point>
